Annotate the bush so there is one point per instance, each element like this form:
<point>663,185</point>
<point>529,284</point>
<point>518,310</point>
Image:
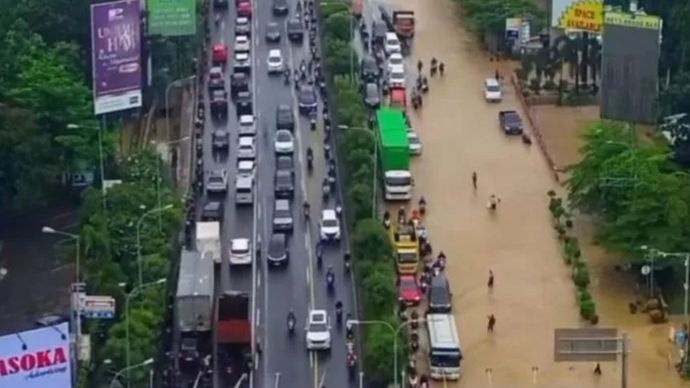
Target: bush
<point>338,56</point>
<point>337,26</point>
<point>581,275</point>
<point>331,7</point>
<point>588,309</point>
<point>359,197</point>
<point>370,241</point>
<point>571,249</point>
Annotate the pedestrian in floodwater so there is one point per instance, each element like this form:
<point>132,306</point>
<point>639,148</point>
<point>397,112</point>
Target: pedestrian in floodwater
<point>597,370</point>
<point>498,76</point>
<point>491,279</point>
<point>492,323</point>
<point>474,179</point>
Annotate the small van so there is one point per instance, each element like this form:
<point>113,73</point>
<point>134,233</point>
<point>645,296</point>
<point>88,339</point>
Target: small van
<point>492,90</point>
<point>244,190</point>
<point>392,43</point>
<point>440,297</point>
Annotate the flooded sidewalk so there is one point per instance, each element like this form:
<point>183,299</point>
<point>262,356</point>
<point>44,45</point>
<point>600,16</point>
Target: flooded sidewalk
<point>533,293</point>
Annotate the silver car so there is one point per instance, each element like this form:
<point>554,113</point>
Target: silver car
<point>217,181</point>
<point>371,95</point>
<point>246,148</point>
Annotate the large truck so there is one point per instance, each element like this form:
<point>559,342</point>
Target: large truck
<point>394,154</point>
<point>406,246</point>
<point>208,240</point>
<point>403,24</point>
<point>234,334</point>
<point>194,305</point>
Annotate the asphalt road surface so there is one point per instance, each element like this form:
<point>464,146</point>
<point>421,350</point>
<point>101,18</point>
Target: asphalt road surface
<point>284,360</point>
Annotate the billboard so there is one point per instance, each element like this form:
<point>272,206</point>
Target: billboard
<point>116,52</point>
<point>37,358</point>
<point>578,15</point>
<point>172,17</point>
<point>629,67</point>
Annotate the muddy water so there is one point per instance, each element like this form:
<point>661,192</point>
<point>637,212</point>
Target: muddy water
<point>533,293</point>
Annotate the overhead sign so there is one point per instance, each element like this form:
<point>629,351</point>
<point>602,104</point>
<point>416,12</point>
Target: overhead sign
<point>586,345</point>
<point>172,17</point>
<point>633,20</point>
<point>116,52</point>
<point>513,26</point>
<point>98,307</point>
<point>578,15</point>
<point>37,358</point>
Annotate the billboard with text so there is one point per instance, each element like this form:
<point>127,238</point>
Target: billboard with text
<point>37,358</point>
<point>116,52</point>
<point>172,17</point>
<point>578,15</point>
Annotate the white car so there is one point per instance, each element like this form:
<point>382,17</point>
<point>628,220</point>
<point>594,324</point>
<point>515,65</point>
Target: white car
<point>247,127</point>
<point>284,143</point>
<point>392,43</point>
<point>275,61</point>
<point>240,251</point>
<point>396,63</point>
<point>242,43</point>
<point>396,79</point>
<point>492,90</point>
<point>329,226</point>
<point>415,143</point>
<point>245,168</point>
<point>246,148</point>
<point>318,331</point>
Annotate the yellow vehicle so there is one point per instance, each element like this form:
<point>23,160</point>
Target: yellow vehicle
<point>406,245</point>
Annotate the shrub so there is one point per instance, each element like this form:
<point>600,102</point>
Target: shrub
<point>360,203</point>
<point>571,249</point>
<point>581,275</point>
<point>370,241</point>
<point>331,7</point>
<point>583,295</point>
<point>588,309</point>
<point>337,56</point>
<point>337,26</point>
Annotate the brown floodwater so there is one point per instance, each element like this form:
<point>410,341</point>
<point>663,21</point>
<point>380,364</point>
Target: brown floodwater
<point>533,293</point>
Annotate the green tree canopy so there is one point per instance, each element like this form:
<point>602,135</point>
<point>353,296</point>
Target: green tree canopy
<point>338,25</point>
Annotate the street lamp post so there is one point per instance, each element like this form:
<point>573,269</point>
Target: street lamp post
<point>373,183</point>
<point>143,216</point>
<point>75,316</point>
<point>396,333</point>
<point>130,295</point>
<point>100,153</point>
<point>127,369</point>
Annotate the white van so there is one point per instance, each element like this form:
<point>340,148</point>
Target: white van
<point>392,43</point>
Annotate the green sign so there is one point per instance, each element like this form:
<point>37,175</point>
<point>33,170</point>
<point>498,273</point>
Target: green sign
<point>172,17</point>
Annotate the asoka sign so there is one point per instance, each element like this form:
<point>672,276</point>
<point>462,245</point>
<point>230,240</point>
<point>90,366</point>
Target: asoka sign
<point>578,15</point>
<point>36,359</point>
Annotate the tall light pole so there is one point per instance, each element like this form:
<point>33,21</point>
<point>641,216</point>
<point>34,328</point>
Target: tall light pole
<point>177,82</point>
<point>127,369</point>
<point>141,219</point>
<point>396,333</point>
<point>75,316</point>
<point>130,295</point>
<point>374,178</point>
<point>100,153</point>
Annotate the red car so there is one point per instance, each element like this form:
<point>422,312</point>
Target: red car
<point>220,54</point>
<point>244,8</point>
<point>408,290</point>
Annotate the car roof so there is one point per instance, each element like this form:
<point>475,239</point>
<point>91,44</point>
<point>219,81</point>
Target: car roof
<point>491,82</point>
<point>272,25</point>
<point>318,313</point>
<point>241,37</point>
<point>395,55</point>
<point>282,203</point>
<point>246,140</point>
<point>278,238</point>
<point>246,119</point>
<point>212,205</point>
<point>218,172</point>
<point>274,53</point>
<point>239,243</point>
<point>241,55</point>
<point>242,20</point>
<point>216,70</point>
<point>391,35</point>
<point>408,278</point>
<point>328,214</point>
<point>283,173</point>
<point>245,164</point>
<point>284,108</point>
<point>221,131</point>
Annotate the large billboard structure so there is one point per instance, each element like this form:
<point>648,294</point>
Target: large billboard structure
<point>116,52</point>
<point>172,17</point>
<point>578,15</point>
<point>37,358</point>
<point>629,67</point>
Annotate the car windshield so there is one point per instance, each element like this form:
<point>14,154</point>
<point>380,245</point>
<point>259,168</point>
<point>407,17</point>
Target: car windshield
<point>330,223</point>
<point>407,257</point>
<point>283,177</point>
<point>395,60</point>
<point>413,139</point>
<point>398,181</point>
<point>318,327</point>
<point>283,137</point>
<point>284,163</point>
<point>274,59</point>
<point>220,135</point>
<point>242,21</point>
<point>408,285</point>
<point>240,248</point>
<point>294,25</point>
<point>215,179</point>
<point>493,88</point>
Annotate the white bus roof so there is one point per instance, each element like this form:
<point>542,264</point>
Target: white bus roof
<point>443,333</point>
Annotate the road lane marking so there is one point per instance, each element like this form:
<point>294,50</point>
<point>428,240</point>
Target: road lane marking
<point>258,317</point>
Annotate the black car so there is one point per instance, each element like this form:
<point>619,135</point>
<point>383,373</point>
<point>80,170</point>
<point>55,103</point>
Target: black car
<point>307,98</point>
<point>282,215</point>
<point>272,32</point>
<point>239,82</point>
<point>278,253</point>
<point>243,26</point>
<point>368,69</point>
<point>244,104</point>
<point>280,7</point>
<point>285,163</point>
<point>510,122</point>
<point>295,31</point>
<point>285,119</point>
<point>284,184</point>
<point>219,103</point>
<point>440,297</point>
<point>220,139</point>
<point>212,211</point>
<point>220,4</point>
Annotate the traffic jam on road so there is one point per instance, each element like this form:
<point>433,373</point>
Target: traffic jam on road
<point>258,280</point>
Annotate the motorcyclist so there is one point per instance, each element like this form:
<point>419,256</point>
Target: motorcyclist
<point>441,68</point>
<point>286,74</point>
<point>319,253</point>
<point>339,209</point>
<point>291,320</point>
<point>420,66</point>
<point>422,205</point>
<point>387,219</point>
<point>339,311</point>
<point>346,259</point>
<point>349,327</point>
<point>306,207</point>
<point>330,277</point>
<point>434,65</point>
<point>401,215</point>
<point>216,19</point>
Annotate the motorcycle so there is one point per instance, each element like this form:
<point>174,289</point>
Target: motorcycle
<point>387,220</point>
<point>414,341</point>
<point>422,206</point>
<point>346,261</point>
<point>339,313</point>
<point>312,124</point>
<point>319,255</point>
<point>286,77</point>
<point>330,281</point>
<point>291,325</point>
<point>310,163</point>
<point>351,365</point>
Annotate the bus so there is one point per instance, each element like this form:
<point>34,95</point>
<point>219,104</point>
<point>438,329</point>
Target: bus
<point>445,355</point>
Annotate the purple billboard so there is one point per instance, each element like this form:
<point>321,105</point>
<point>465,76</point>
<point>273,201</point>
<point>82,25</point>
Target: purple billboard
<point>116,51</point>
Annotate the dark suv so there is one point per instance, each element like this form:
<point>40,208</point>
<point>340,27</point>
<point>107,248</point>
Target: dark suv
<point>285,119</point>
<point>284,184</point>
<point>280,7</point>
<point>278,253</point>
<point>369,70</point>
<point>295,31</point>
<point>440,297</point>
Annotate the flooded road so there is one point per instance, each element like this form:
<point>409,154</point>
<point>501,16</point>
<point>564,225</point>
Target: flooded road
<point>533,293</point>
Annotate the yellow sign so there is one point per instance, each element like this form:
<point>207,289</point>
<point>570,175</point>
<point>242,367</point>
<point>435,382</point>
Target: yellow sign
<point>584,15</point>
<point>631,20</point>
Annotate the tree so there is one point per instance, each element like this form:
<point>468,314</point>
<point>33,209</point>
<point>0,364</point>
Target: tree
<point>338,56</point>
<point>380,292</point>
<point>676,98</point>
<point>370,241</point>
<point>338,26</point>
<point>378,354</point>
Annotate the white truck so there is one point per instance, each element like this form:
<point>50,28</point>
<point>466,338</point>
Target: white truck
<point>208,240</point>
<point>193,303</point>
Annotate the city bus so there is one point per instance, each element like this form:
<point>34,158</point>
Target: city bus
<point>445,355</point>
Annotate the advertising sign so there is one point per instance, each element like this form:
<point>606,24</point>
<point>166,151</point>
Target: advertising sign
<point>36,358</point>
<point>649,22</point>
<point>98,307</point>
<point>513,28</point>
<point>578,15</point>
<point>116,51</point>
<point>172,17</point>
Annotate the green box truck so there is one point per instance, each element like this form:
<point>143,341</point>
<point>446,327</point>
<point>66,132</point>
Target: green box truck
<point>394,154</point>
